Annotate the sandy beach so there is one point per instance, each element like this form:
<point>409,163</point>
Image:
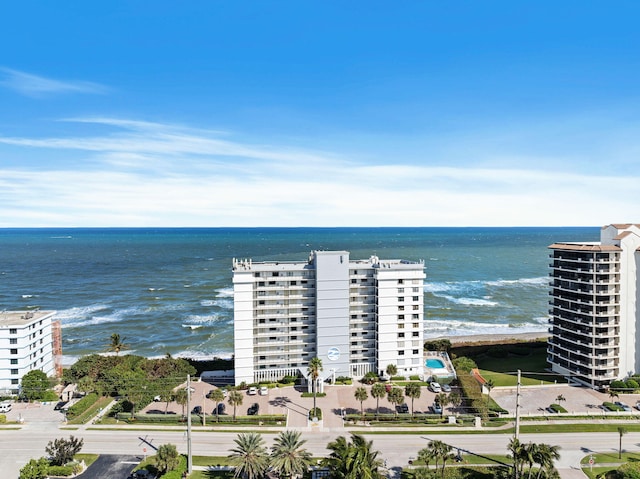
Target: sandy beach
<point>495,338</point>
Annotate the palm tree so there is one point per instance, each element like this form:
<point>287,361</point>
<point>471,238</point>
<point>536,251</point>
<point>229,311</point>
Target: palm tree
<point>425,455</point>
<point>392,369</point>
<point>378,390</point>
<point>288,458</point>
<point>217,396</point>
<point>529,453</point>
<point>355,460</point>
<point>621,431</point>
<point>546,455</point>
<point>117,344</point>
<point>395,397</point>
<point>181,397</point>
<point>166,397</point>
<point>613,395</point>
<point>439,450</point>
<point>249,457</point>
<point>313,370</point>
<point>516,449</point>
<point>235,400</point>
<point>443,400</point>
<point>455,400</point>
<point>361,395</point>
<point>413,391</point>
<point>489,385</point>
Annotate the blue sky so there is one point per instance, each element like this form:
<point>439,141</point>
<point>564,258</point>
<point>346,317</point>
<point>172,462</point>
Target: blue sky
<point>290,113</point>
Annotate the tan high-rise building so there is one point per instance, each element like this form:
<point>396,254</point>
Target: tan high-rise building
<point>593,308</point>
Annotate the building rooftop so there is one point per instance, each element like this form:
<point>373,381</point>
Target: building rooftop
<point>21,318</point>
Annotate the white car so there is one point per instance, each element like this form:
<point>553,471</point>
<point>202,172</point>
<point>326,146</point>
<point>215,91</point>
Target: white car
<point>252,391</point>
<point>264,390</point>
<point>435,387</point>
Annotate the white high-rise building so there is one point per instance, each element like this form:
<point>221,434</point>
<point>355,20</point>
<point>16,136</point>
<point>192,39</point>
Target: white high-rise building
<point>593,307</point>
<point>356,316</point>
<point>29,340</point>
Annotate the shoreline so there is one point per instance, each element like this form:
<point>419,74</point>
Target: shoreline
<point>493,338</point>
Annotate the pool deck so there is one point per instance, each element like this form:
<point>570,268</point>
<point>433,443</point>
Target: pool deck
<point>441,373</point>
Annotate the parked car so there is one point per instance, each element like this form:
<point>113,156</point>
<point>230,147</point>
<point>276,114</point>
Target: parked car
<point>60,405</point>
<point>252,391</point>
<point>622,405</point>
<point>221,409</point>
<point>157,398</point>
<point>437,408</point>
<point>264,390</point>
<point>5,407</point>
<point>253,409</point>
<point>435,387</point>
<point>638,405</point>
<point>402,408</point>
<point>197,410</point>
<point>446,388</point>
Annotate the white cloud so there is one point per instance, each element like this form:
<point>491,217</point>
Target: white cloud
<point>151,174</point>
<point>36,86</point>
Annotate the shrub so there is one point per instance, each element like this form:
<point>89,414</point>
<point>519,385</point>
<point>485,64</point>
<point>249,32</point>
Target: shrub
<point>414,377</point>
<point>464,364</point>
<point>317,412</point>
<point>438,345</point>
<point>178,472</point>
<point>3,418</point>
<point>343,380</point>
<point>617,385</point>
<point>498,352</point>
<point>310,395</point>
<point>612,407</point>
<point>369,378</point>
<point>557,408</point>
<point>61,470</point>
<point>632,384</point>
<point>398,378</point>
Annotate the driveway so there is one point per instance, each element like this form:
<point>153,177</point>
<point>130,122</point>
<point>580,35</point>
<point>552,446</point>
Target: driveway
<point>111,467</point>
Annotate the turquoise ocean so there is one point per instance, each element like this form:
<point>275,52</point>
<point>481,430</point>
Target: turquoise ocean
<point>170,290</point>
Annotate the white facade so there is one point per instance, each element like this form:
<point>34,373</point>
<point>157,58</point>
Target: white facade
<point>593,310</point>
<point>26,344</point>
<point>356,316</point>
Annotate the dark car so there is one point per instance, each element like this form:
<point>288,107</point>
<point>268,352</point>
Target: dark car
<point>402,408</point>
<point>60,405</point>
<point>221,408</point>
<point>253,409</point>
<point>197,410</point>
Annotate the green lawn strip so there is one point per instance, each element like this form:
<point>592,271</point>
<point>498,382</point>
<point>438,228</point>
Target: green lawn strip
<point>505,379</point>
<point>593,473</point>
<point>211,461</point>
<point>87,458</point>
<point>610,458</point>
<point>102,402</point>
<point>211,475</point>
<point>472,459</point>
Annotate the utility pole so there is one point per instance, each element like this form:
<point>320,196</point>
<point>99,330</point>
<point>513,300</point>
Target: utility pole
<point>518,406</point>
<point>189,456</point>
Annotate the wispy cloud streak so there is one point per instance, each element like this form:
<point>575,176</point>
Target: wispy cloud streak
<point>32,85</point>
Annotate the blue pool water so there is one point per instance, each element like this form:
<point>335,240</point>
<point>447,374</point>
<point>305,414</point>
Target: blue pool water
<point>434,364</point>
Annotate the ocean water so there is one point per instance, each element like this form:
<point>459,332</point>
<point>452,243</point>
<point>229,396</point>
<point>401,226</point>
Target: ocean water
<point>170,290</point>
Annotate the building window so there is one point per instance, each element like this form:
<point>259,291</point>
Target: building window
<point>13,331</point>
<point>415,316</point>
<point>401,326</point>
<point>14,361</point>
<point>416,290</point>
<point>416,298</point>
<point>416,307</point>
<point>400,290</point>
<point>14,351</point>
<point>401,299</point>
<point>14,381</point>
<point>400,353</point>
<point>401,335</point>
<point>400,317</point>
<point>400,308</point>
<point>415,351</point>
<point>416,325</point>
<point>13,341</point>
<point>415,334</point>
<point>401,281</point>
<point>14,371</point>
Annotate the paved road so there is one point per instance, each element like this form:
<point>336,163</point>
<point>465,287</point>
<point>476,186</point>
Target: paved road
<point>396,449</point>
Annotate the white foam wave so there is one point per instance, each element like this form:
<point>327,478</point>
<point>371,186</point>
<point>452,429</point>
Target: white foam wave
<point>79,313</point>
<point>225,292</point>
<point>471,301</point>
<point>434,329</point>
<point>207,302</point>
<point>201,319</point>
<point>27,296</point>
<point>91,320</point>
<point>192,326</point>
<point>540,281</point>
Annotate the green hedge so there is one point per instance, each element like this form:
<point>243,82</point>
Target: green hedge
<point>3,418</point>
<point>266,419</point>
<point>557,408</point>
<point>60,471</point>
<point>317,412</point>
<point>82,405</point>
<point>612,407</point>
<point>310,395</point>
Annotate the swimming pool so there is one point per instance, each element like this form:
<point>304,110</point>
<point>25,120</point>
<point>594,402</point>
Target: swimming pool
<point>432,363</point>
